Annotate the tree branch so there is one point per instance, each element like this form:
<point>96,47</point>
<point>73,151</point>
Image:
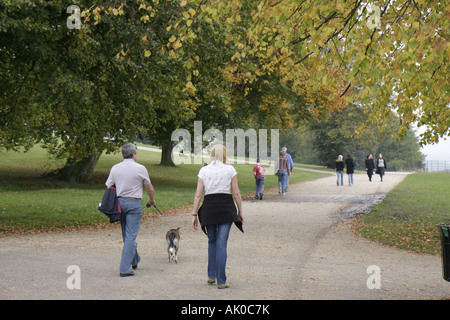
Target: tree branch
<point>300,61</point>
<point>348,87</point>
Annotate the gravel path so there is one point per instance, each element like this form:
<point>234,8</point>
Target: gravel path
<point>297,246</point>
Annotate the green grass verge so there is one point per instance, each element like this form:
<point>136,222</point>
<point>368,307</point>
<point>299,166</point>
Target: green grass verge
<point>408,216</point>
<point>29,202</point>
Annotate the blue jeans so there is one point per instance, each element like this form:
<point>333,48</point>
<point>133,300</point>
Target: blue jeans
<point>130,220</point>
<point>259,185</point>
<point>340,174</point>
<point>283,177</point>
<point>350,179</point>
<point>217,251</point>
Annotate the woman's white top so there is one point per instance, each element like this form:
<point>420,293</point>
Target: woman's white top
<point>216,177</point>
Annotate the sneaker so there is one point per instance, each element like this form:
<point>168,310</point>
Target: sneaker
<point>279,191</point>
<point>222,286</point>
<point>128,274</point>
<point>211,281</point>
<point>260,196</point>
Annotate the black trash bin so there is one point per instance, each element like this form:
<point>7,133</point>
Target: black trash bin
<point>445,236</point>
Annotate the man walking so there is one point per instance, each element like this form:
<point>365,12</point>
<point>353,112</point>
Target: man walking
<point>129,176</point>
<point>291,165</point>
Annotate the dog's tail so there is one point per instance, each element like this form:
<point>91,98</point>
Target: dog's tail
<point>173,242</point>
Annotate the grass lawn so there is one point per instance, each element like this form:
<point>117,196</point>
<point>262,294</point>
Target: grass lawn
<point>408,216</point>
<point>29,202</point>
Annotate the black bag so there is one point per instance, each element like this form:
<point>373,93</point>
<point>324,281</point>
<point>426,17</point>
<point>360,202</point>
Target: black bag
<point>110,204</point>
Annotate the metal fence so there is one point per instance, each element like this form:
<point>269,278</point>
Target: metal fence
<point>437,166</point>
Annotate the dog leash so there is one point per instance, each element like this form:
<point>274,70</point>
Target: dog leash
<point>149,205</point>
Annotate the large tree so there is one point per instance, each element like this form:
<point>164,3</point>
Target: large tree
<point>83,91</point>
<point>392,58</point>
<point>75,90</point>
<point>199,54</point>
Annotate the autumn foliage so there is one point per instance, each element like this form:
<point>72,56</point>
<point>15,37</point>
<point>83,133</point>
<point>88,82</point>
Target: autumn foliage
<point>156,66</point>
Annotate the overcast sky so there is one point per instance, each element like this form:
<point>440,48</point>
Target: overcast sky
<point>439,151</point>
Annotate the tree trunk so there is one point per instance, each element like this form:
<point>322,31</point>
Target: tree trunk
<point>78,171</point>
<point>166,154</point>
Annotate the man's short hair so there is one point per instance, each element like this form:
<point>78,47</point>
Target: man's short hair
<point>128,150</point>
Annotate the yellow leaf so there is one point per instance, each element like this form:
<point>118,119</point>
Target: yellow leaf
<point>172,39</point>
<point>147,53</point>
<point>177,44</point>
<point>190,86</point>
<point>237,56</point>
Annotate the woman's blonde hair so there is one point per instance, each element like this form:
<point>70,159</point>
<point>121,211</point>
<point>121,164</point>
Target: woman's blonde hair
<point>218,152</point>
<point>340,158</point>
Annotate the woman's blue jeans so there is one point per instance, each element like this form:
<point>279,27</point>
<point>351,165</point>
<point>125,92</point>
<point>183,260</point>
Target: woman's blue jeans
<point>340,174</point>
<point>130,220</point>
<point>217,251</point>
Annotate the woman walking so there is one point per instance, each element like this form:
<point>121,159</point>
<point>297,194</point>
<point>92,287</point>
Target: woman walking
<point>351,164</point>
<point>381,166</point>
<point>218,211</point>
<point>369,166</point>
<point>340,170</point>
